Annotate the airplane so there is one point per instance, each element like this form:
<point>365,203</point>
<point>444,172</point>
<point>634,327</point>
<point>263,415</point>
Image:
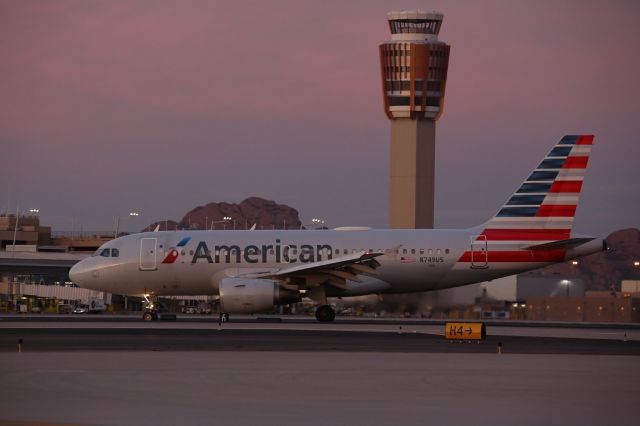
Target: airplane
<point>253,271</point>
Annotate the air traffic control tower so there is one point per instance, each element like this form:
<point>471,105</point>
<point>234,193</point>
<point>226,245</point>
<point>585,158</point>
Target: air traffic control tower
<point>414,74</point>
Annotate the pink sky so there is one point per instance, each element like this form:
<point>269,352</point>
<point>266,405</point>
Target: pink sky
<point>159,106</point>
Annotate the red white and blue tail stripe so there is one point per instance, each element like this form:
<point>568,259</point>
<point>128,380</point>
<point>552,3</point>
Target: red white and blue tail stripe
<point>540,211</point>
<point>544,206</point>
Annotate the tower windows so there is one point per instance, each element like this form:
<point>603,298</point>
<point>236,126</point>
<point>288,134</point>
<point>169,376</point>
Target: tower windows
<point>399,101</point>
<point>433,101</point>
<point>433,86</point>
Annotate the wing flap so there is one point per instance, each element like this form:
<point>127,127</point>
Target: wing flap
<point>354,258</point>
<point>333,272</point>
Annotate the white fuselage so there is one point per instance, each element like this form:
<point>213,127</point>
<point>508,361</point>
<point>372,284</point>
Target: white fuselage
<point>413,260</point>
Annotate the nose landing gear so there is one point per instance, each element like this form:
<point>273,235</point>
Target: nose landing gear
<point>149,316</point>
<point>150,308</point>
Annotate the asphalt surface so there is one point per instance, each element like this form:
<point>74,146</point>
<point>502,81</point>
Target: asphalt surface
<point>108,370</point>
<point>157,339</point>
<point>316,388</point>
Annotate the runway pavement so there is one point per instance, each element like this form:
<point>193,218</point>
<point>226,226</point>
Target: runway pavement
<point>317,388</point>
<point>120,371</point>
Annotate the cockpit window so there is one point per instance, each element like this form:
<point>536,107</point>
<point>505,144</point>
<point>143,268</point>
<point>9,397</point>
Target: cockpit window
<point>106,253</point>
<point>115,252</point>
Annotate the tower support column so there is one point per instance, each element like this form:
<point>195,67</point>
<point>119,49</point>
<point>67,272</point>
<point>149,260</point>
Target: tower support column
<point>412,173</point>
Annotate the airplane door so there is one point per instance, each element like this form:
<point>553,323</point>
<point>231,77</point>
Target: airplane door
<point>479,253</point>
<point>148,251</point>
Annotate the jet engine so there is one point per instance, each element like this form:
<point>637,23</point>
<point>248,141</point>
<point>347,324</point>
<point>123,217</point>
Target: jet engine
<point>249,296</point>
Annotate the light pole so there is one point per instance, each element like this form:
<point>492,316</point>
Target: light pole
<point>315,223</point>
<point>224,220</point>
<point>15,231</point>
<point>566,284</point>
<point>132,215</point>
<point>34,211</point>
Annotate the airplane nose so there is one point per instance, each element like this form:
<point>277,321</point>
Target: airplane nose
<point>80,273</point>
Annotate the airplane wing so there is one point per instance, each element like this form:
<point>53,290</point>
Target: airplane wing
<point>334,272</point>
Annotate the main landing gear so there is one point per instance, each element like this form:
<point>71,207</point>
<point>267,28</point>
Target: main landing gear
<point>325,313</point>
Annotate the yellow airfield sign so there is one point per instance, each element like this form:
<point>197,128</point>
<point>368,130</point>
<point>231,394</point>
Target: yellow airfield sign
<point>465,331</point>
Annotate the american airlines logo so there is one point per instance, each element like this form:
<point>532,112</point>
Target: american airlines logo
<point>173,251</point>
<point>227,253</point>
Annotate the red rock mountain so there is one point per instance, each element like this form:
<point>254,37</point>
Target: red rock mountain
<point>602,270</point>
<point>265,214</point>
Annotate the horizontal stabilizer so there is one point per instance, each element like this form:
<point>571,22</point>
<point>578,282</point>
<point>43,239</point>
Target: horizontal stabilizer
<point>561,244</point>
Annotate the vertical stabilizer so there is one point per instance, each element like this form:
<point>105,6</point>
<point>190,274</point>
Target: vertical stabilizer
<point>544,206</point>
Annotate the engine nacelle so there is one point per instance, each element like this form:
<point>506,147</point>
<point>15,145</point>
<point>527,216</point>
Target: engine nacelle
<point>250,296</point>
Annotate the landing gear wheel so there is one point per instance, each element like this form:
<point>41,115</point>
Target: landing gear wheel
<point>325,313</point>
<point>149,316</point>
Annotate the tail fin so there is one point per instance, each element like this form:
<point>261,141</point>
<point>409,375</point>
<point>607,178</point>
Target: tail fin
<point>544,206</point>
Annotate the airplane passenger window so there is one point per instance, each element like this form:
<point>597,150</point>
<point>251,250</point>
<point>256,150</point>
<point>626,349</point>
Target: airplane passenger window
<point>404,251</point>
<point>346,251</point>
<point>413,251</point>
<point>446,251</point>
<point>105,253</point>
<point>337,251</point>
<point>438,251</point>
<point>430,251</point>
<point>421,251</point>
<point>115,252</point>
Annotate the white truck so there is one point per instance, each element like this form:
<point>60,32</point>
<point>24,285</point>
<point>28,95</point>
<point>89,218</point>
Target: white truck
<point>96,306</point>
